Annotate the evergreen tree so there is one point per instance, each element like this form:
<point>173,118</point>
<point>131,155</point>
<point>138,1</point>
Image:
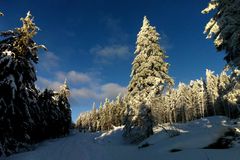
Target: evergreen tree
<point>171,99</point>
<point>224,28</point>
<point>212,92</point>
<point>49,114</point>
<point>119,108</point>
<point>18,103</point>
<point>184,103</point>
<point>149,79</point>
<point>198,93</point>
<point>230,94</point>
<point>224,86</point>
<point>94,118</point>
<point>65,109</point>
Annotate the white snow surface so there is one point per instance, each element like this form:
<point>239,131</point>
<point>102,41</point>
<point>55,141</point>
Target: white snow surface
<point>110,146</point>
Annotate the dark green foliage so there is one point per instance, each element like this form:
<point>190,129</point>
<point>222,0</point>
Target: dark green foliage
<point>19,111</point>
<point>25,116</point>
<point>56,114</point>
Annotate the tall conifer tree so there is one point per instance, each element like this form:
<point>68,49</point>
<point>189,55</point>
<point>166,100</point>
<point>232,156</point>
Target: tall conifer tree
<point>149,78</point>
<point>18,96</point>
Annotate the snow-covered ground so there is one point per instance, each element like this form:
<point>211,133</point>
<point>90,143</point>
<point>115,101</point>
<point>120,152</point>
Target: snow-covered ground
<point>110,146</point>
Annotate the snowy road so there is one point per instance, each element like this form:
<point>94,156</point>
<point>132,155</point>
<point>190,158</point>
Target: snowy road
<point>75,147</point>
<point>110,146</point>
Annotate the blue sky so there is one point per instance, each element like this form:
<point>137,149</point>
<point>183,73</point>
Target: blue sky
<point>91,43</point>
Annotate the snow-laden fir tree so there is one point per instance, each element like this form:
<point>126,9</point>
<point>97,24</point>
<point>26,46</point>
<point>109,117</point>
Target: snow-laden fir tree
<point>64,106</point>
<point>171,102</point>
<point>224,83</point>
<point>118,111</point>
<point>232,108</point>
<point>19,110</point>
<point>94,118</point>
<point>49,114</point>
<point>224,28</point>
<point>212,92</point>
<point>149,79</point>
<point>224,87</point>
<point>184,103</point>
<point>231,94</point>
<point>198,93</point>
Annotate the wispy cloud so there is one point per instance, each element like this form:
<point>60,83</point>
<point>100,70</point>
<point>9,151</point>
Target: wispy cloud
<point>90,91</point>
<point>86,93</point>
<point>43,83</point>
<point>111,90</point>
<point>116,45</point>
<point>115,30</point>
<point>105,54</point>
<point>49,60</point>
<point>73,77</point>
<point>165,41</point>
<point>108,90</point>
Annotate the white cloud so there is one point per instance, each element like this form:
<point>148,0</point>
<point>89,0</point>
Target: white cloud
<point>115,30</point>
<point>106,54</point>
<point>108,90</point>
<point>113,51</point>
<point>43,83</point>
<point>116,45</point>
<point>49,60</point>
<point>74,77</point>
<point>87,92</point>
<point>165,41</point>
<point>111,90</point>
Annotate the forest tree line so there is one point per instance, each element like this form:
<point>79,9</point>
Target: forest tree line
<point>214,95</point>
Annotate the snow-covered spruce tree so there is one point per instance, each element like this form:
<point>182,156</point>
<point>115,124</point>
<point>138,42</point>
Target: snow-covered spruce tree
<point>94,118</point>
<point>224,28</point>
<point>232,108</point>
<point>184,103</point>
<point>160,110</point>
<point>224,83</point>
<point>65,110</point>
<point>55,113</point>
<point>49,114</point>
<point>19,111</point>
<point>119,110</point>
<point>199,97</point>
<point>149,78</point>
<point>171,101</point>
<point>212,92</point>
<point>231,94</point>
<point>224,86</point>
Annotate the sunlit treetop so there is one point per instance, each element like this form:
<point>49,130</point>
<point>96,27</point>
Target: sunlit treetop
<point>64,89</point>
<point>21,39</point>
